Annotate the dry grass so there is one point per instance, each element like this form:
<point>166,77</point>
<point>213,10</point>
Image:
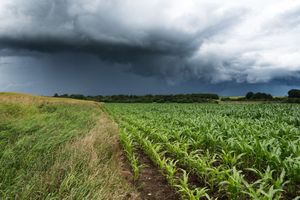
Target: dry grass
<point>27,99</point>
<point>99,152</point>
<point>63,149</point>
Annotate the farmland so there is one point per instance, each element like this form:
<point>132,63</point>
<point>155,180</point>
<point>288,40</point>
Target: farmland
<point>56,148</point>
<point>209,151</point>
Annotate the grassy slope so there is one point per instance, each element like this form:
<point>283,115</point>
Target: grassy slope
<point>57,149</point>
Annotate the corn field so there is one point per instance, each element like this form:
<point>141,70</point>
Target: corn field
<point>216,151</point>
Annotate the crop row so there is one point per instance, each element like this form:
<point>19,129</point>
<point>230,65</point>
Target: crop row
<point>236,152</point>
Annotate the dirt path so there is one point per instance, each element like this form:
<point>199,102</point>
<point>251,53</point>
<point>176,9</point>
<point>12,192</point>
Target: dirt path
<point>92,161</point>
<point>151,184</point>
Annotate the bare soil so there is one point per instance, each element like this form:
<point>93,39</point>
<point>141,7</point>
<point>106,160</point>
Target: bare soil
<point>152,185</point>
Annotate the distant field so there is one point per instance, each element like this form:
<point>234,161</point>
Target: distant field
<point>57,149</point>
<point>224,151</point>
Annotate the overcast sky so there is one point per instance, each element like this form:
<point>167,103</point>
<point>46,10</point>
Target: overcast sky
<point>154,46</point>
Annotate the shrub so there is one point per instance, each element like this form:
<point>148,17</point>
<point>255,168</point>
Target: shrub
<point>292,100</point>
<point>294,93</point>
<point>258,96</point>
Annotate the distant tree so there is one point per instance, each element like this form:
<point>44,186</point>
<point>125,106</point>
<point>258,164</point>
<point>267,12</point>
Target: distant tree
<point>64,96</point>
<point>294,93</point>
<point>225,99</point>
<point>262,96</point>
<point>77,96</point>
<point>258,96</point>
<point>249,95</point>
<point>56,95</point>
<point>177,98</point>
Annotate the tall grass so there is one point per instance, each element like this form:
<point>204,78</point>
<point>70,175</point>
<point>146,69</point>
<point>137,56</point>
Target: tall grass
<point>57,150</point>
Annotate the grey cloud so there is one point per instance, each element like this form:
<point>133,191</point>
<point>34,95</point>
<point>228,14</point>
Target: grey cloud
<point>173,40</point>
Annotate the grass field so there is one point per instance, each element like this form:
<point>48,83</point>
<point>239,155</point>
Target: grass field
<point>57,149</point>
<point>209,151</point>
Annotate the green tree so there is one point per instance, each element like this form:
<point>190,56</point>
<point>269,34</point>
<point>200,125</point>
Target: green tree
<point>249,95</point>
<point>294,93</point>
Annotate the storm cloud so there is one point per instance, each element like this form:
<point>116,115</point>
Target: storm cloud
<point>208,42</point>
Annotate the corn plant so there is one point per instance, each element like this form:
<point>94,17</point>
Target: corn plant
<point>170,169</point>
<point>128,146</point>
<point>245,151</point>
<point>187,192</point>
<point>234,183</point>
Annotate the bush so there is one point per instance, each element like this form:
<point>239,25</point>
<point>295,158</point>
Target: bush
<point>78,96</point>
<point>258,96</point>
<point>225,99</point>
<point>292,100</point>
<point>294,93</point>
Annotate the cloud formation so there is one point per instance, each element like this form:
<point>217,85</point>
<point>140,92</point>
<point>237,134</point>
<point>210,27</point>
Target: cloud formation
<point>251,41</point>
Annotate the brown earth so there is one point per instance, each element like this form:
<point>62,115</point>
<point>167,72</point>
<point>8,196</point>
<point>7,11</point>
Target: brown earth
<point>151,185</point>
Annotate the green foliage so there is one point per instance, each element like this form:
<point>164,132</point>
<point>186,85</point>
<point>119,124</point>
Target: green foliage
<point>30,138</point>
<point>249,95</point>
<point>188,193</point>
<point>294,93</point>
<point>177,98</point>
<point>292,100</point>
<point>127,143</point>
<point>248,151</point>
<point>258,96</point>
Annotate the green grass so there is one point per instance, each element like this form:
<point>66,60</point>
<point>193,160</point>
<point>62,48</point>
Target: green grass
<point>57,149</point>
<point>30,136</point>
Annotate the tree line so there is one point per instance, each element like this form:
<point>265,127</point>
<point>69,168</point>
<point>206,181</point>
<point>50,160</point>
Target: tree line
<point>293,97</point>
<point>177,98</point>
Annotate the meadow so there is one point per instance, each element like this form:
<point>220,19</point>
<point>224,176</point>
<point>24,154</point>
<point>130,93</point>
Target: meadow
<point>216,151</point>
<point>57,149</point>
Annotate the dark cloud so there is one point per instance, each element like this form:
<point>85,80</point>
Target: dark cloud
<point>175,42</point>
<point>87,75</point>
